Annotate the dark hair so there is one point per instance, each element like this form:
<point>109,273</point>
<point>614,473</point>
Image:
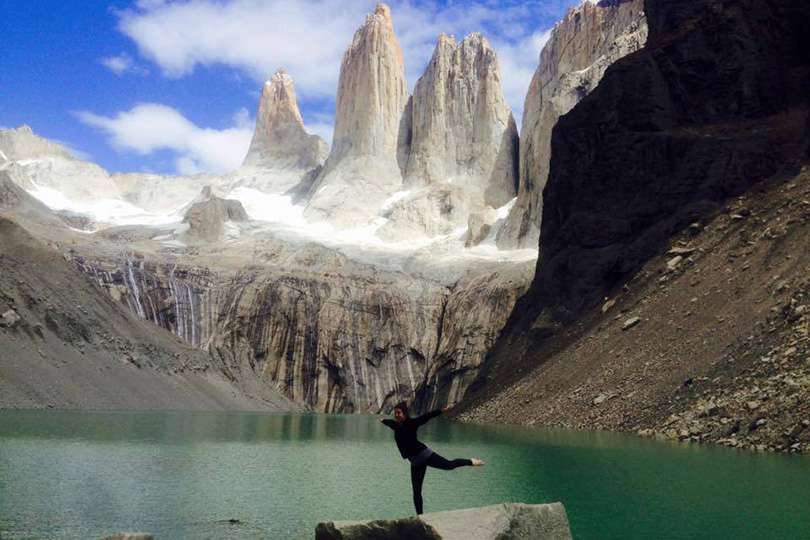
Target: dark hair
<point>402,406</point>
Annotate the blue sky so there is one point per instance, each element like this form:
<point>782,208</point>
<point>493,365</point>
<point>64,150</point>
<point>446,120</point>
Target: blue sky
<point>155,85</point>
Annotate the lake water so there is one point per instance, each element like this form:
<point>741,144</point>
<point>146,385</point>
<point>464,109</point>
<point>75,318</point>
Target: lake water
<point>183,475</point>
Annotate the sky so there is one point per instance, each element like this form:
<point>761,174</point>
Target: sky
<point>172,87</point>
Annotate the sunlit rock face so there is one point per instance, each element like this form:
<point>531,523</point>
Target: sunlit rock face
<point>280,142</point>
<point>590,38</point>
<point>462,130</point>
<point>462,143</point>
<point>52,170</point>
<point>339,317</point>
<point>362,170</point>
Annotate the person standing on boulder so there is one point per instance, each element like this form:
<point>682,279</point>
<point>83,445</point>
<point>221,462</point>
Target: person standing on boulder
<point>420,456</point>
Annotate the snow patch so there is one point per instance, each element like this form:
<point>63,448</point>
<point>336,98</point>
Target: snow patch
<point>113,211</point>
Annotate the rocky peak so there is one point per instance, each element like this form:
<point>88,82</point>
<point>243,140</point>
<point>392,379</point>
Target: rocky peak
<point>362,170</point>
<point>591,37</point>
<point>462,130</point>
<point>208,215</point>
<point>280,140</point>
<point>372,91</point>
<point>23,143</point>
<point>278,98</point>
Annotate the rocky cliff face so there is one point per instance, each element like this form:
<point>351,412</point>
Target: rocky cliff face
<point>714,105</point>
<point>362,169</point>
<point>711,106</point>
<point>462,130</point>
<point>350,339</point>
<point>280,143</point>
<point>590,38</point>
<point>462,142</point>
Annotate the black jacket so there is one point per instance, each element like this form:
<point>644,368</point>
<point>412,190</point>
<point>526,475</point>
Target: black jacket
<point>405,433</point>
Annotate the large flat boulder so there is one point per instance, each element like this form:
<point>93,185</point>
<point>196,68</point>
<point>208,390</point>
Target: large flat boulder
<point>505,521</point>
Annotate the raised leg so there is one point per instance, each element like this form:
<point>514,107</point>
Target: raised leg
<point>438,462</point>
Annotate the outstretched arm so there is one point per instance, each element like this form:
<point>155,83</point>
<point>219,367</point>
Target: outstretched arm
<point>428,416</point>
<point>388,422</point>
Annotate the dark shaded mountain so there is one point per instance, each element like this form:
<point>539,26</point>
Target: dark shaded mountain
<point>714,105</point>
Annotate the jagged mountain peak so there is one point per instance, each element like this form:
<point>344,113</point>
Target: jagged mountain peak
<point>382,13</point>
<point>362,170</point>
<point>278,96</point>
<point>280,140</point>
<point>475,41</point>
<point>378,26</point>
<point>589,38</point>
<point>462,127</point>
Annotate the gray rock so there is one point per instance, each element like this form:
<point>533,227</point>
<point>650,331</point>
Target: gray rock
<point>479,225</point>
<point>685,251</point>
<point>505,521</point>
<point>9,318</point>
<point>208,215</point>
<point>630,323</point>
<point>674,262</point>
<point>393,529</point>
<point>130,536</point>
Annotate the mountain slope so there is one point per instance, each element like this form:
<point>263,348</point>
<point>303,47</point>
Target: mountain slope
<point>66,344</point>
<point>714,105</point>
<point>722,338</point>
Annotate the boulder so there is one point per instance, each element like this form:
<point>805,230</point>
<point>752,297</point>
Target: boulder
<point>501,521</point>
<point>9,318</point>
<point>208,215</point>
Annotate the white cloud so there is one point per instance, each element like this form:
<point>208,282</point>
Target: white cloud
<point>150,127</point>
<point>308,37</point>
<point>121,64</point>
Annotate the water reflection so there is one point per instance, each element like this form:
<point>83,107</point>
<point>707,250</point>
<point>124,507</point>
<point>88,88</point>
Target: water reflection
<point>183,475</point>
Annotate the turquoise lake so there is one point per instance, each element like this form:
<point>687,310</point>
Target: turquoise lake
<point>184,475</point>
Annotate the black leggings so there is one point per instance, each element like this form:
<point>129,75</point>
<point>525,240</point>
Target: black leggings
<point>418,474</point>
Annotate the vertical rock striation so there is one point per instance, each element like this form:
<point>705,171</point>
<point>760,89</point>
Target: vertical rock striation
<point>581,47</point>
<point>362,170</point>
<point>350,339</point>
